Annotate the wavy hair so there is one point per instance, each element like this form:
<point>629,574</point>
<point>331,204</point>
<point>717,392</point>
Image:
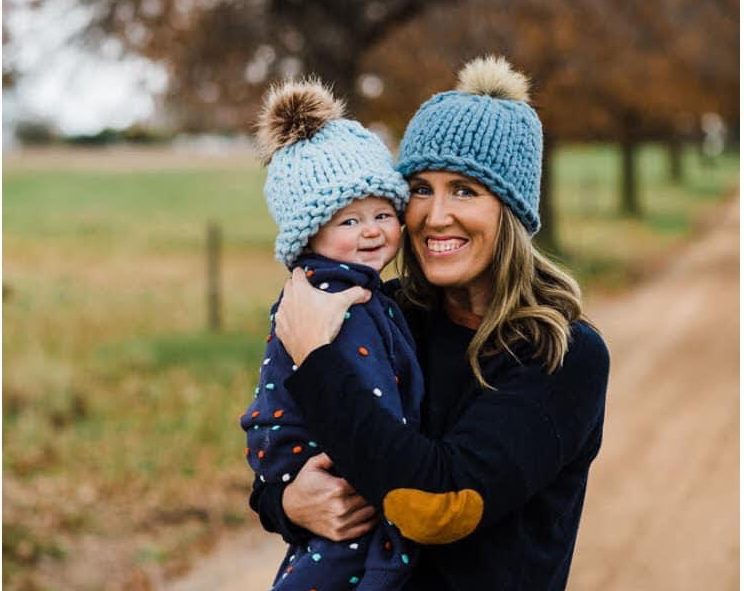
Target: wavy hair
<point>533,300</point>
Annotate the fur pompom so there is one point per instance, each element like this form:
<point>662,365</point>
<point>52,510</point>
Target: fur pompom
<point>294,111</point>
<point>493,77</point>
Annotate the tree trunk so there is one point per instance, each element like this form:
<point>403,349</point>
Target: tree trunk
<point>341,73</point>
<point>548,236</point>
<point>629,202</point>
<point>674,146</point>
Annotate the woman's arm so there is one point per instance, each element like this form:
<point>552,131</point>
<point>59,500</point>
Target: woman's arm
<point>504,448</point>
<point>435,491</point>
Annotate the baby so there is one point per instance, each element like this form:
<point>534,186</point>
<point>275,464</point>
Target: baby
<point>336,198</point>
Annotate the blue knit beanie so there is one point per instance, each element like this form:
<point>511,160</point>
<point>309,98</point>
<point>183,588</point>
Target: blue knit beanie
<point>485,130</point>
<point>318,163</point>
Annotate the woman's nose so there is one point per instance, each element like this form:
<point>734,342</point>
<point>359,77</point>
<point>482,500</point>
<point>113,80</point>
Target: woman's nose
<point>439,214</point>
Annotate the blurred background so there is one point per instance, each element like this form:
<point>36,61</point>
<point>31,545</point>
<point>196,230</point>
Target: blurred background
<point>138,265</point>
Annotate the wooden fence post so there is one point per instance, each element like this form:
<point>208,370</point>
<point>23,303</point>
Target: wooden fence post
<point>214,295</point>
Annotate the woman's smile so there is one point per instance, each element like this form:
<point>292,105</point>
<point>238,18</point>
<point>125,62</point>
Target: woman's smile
<point>444,245</point>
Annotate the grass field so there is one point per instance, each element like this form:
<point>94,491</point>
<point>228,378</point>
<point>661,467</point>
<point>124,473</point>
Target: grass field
<point>121,409</point>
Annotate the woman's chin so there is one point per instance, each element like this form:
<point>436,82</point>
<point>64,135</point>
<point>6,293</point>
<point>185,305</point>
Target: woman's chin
<point>443,278</point>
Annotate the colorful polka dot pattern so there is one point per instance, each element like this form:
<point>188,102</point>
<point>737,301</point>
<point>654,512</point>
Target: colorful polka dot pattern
<point>278,444</point>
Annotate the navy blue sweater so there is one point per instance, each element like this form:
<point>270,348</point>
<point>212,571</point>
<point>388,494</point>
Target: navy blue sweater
<point>525,449</point>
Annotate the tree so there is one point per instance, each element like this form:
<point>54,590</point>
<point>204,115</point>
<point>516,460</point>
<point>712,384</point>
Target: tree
<point>625,71</point>
<point>621,70</point>
<point>221,54</point>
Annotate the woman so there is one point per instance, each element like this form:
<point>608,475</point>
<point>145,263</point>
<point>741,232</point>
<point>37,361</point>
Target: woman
<point>515,376</point>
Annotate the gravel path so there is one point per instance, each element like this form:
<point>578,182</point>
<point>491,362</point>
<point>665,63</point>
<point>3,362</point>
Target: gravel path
<point>662,510</point>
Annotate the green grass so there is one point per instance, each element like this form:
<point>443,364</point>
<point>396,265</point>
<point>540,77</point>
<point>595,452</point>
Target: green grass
<point>119,405</point>
<point>139,209</point>
<point>608,251</point>
<point>206,355</point>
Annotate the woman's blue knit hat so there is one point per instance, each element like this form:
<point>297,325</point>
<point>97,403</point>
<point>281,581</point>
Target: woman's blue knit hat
<point>485,130</point>
<point>318,163</point>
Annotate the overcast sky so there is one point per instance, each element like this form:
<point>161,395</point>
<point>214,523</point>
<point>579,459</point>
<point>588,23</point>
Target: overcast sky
<point>78,91</point>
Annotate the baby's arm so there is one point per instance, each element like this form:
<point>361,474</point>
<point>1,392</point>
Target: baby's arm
<point>277,442</point>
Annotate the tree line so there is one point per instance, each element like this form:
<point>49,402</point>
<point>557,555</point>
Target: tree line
<point>627,71</point>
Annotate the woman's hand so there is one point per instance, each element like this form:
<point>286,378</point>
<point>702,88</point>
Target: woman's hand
<point>326,505</point>
<point>308,318</point>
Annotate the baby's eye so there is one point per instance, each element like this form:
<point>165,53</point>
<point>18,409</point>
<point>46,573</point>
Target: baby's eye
<point>384,215</point>
<point>349,222</point>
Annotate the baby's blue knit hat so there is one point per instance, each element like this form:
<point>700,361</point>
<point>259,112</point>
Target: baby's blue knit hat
<point>318,163</point>
<point>485,130</point>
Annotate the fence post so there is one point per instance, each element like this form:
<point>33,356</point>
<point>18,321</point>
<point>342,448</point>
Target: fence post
<point>214,296</point>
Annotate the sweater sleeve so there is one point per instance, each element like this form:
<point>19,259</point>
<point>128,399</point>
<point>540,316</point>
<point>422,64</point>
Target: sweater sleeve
<point>266,500</point>
<point>505,447</point>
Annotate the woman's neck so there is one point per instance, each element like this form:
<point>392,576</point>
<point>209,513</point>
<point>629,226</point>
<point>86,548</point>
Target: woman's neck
<point>471,299</point>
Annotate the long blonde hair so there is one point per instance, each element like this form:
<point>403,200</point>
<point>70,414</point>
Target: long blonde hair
<point>533,299</point>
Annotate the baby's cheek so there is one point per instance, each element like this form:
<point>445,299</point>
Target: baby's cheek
<point>394,235</point>
<point>347,248</point>
<point>338,246</point>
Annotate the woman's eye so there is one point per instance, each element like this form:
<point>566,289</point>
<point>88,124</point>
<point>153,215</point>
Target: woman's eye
<point>464,192</point>
<point>421,190</point>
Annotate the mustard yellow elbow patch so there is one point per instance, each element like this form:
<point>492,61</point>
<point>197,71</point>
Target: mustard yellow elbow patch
<point>433,518</point>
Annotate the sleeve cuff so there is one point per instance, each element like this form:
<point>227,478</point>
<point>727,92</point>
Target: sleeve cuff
<point>273,519</point>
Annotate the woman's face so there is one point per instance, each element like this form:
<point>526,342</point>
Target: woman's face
<point>452,222</point>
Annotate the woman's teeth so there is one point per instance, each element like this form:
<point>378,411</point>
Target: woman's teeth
<point>444,245</point>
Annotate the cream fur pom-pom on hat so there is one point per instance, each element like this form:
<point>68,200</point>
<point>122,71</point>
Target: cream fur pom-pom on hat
<point>495,78</point>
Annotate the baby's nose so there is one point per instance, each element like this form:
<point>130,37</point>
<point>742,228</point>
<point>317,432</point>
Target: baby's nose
<point>371,229</point>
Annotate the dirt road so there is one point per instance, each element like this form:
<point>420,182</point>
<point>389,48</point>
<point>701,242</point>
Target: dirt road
<point>663,504</point>
<point>662,510</point>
